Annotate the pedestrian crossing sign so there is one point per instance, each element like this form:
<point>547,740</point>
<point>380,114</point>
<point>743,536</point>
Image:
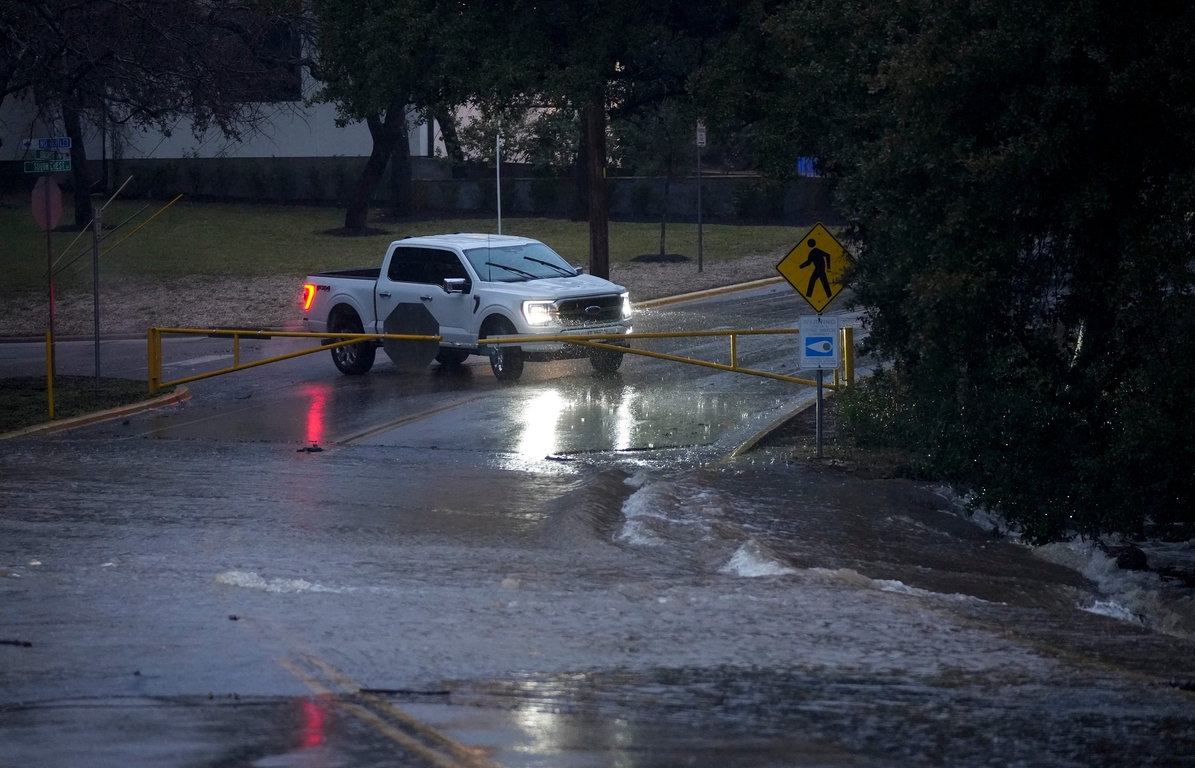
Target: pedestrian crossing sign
<point>814,266</point>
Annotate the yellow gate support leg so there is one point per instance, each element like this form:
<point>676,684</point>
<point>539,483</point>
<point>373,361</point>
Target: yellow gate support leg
<point>848,355</point>
<point>50,374</point>
<point>153,354</point>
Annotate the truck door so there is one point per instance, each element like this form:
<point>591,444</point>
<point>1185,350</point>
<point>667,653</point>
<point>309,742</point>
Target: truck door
<point>416,276</point>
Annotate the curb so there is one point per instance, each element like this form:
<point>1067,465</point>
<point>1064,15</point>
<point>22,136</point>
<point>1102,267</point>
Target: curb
<point>695,295</point>
<point>751,442</point>
<point>177,396</point>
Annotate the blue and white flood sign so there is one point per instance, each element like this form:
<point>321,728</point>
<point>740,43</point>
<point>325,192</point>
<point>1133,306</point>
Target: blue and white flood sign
<point>819,342</point>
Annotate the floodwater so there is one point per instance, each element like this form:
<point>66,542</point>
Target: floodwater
<point>565,573</point>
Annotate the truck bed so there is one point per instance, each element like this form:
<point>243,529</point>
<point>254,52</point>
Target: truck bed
<point>356,273</point>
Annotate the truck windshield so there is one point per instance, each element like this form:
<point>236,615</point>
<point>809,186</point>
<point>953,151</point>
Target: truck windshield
<point>517,263</point>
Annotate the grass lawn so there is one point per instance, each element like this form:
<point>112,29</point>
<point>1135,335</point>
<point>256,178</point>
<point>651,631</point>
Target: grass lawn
<point>234,240</point>
<point>23,399</point>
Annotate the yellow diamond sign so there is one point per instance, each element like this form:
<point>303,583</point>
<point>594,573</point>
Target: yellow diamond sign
<point>814,265</point>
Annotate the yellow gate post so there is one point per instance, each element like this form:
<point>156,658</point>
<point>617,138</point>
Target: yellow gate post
<point>153,356</point>
<point>848,355</point>
<point>50,373</point>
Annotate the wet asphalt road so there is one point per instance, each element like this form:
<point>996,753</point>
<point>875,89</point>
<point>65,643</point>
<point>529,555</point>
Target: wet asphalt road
<point>564,572</point>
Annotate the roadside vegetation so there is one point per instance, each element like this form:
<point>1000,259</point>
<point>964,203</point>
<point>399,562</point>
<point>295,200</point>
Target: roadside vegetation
<point>1021,179</point>
<point>231,240</point>
<point>23,398</point>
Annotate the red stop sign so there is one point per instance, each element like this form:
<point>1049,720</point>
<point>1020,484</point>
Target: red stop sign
<point>47,203</point>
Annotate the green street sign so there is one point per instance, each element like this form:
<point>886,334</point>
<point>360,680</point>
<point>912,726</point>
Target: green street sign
<point>49,154</point>
<point>47,166</point>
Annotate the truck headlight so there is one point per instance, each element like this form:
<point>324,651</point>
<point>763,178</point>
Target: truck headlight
<point>539,312</point>
<point>626,306</point>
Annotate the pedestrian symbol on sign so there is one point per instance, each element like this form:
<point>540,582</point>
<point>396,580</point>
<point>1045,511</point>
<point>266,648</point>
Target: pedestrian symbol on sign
<point>820,261</point>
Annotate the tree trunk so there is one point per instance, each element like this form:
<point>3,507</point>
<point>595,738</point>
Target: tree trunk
<point>400,178</point>
<point>599,200</point>
<point>80,170</point>
<point>386,134</point>
<point>452,144</point>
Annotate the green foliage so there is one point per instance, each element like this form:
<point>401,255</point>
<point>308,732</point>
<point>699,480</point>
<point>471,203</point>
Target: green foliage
<point>643,198</point>
<point>546,193</point>
<point>1020,176</point>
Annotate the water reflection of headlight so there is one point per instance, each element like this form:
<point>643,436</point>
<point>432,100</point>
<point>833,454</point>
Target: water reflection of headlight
<point>624,421</point>
<point>540,417</point>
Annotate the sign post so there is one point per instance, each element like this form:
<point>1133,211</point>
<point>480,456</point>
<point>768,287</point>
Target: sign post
<point>820,350</point>
<point>47,206</point>
<point>700,144</point>
<point>47,210</point>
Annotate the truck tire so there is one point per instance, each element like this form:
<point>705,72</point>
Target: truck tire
<point>605,361</point>
<point>452,358</point>
<point>353,359</point>
<point>506,362</point>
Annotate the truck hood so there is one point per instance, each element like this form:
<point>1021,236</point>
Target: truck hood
<point>555,287</point>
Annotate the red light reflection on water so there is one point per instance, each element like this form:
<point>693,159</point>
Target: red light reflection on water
<point>315,412</point>
<point>314,723</point>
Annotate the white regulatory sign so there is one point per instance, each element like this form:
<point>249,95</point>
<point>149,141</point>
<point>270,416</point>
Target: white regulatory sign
<point>819,342</point>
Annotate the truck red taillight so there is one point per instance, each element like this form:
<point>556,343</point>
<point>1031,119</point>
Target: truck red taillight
<point>308,296</point>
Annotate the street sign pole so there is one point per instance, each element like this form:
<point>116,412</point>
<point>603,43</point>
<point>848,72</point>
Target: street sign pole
<point>819,412</point>
<point>95,285</point>
<point>50,269</point>
<point>48,154</point>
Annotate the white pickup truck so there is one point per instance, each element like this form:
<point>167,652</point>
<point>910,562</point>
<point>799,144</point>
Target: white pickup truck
<point>475,286</point>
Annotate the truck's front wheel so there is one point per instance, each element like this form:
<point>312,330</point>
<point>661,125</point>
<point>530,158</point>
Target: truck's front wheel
<point>605,361</point>
<point>352,359</point>
<point>506,362</point>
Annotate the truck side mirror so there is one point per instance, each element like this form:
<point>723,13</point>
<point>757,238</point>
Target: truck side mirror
<point>454,284</point>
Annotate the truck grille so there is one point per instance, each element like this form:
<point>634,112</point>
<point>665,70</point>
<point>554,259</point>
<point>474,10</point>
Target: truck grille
<point>596,310</point>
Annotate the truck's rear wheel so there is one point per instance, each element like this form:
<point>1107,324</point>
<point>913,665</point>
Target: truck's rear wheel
<point>506,362</point>
<point>352,359</point>
<point>452,358</point>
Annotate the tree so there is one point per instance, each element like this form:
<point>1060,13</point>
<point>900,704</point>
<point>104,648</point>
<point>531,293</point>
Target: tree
<point>658,141</point>
<point>377,59</point>
<point>1020,177</point>
<point>144,63</point>
<point>597,61</point>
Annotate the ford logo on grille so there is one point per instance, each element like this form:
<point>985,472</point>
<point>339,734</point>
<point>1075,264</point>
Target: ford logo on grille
<point>593,310</point>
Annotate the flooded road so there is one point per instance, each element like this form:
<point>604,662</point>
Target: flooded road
<point>568,572</point>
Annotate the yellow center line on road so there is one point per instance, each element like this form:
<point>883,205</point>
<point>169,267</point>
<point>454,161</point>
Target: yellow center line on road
<point>460,756</point>
<point>402,421</point>
<point>457,749</point>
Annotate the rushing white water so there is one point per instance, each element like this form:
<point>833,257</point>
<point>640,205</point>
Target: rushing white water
<point>251,580</point>
<point>751,560</point>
